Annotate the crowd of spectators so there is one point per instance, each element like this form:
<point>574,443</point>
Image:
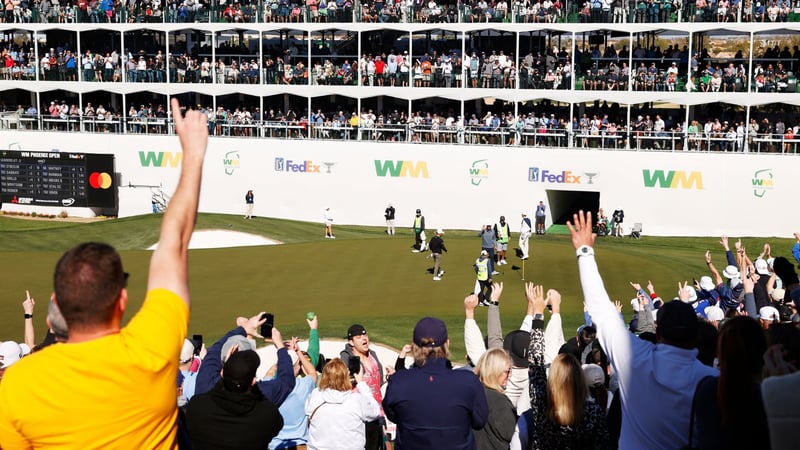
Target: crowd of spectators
<point>595,67</point>
<point>604,127</point>
<point>717,356</point>
<point>403,11</point>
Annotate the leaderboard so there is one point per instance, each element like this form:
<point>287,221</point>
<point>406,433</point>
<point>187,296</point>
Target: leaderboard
<point>57,179</point>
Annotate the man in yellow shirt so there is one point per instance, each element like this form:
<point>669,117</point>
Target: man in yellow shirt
<point>109,386</point>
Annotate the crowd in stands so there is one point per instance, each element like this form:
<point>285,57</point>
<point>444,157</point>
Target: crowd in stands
<point>605,126</point>
<point>595,67</point>
<point>716,360</point>
<point>403,11</point>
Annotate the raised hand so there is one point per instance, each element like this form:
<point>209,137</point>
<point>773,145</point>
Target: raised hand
<point>618,305</point>
<point>313,323</point>
<point>192,130</point>
<point>683,295</point>
<point>470,303</point>
<point>724,242</point>
<point>554,300</point>
<point>580,229</point>
<point>251,326</point>
<point>497,291</point>
<point>29,303</point>
<point>708,256</point>
<point>650,287</point>
<point>535,296</point>
<point>636,286</point>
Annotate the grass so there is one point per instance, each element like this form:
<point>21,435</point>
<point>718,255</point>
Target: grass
<point>364,276</point>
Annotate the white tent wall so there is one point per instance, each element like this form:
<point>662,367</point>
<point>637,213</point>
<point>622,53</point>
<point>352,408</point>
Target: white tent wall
<point>457,187</point>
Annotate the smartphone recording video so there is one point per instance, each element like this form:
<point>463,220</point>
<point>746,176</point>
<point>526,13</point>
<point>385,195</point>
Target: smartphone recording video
<point>269,323</point>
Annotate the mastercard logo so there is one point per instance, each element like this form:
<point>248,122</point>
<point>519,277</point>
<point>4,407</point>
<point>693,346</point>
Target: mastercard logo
<point>100,180</point>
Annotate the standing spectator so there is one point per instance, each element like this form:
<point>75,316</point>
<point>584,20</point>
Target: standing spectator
<point>388,214</point>
<point>540,217</point>
<point>617,217</point>
<point>249,199</point>
<point>779,394</point>
<point>652,377</point>
<point>337,412</point>
<point>730,413</point>
<point>524,235</point>
<point>275,390</point>
<point>117,387</point>
<point>234,414</point>
<point>295,423</point>
<point>327,217</point>
<point>561,414</point>
<point>10,353</point>
<point>433,405</point>
<point>372,374</point>
<point>503,235</point>
<point>437,247</point>
<point>419,230</point>
<point>493,369</point>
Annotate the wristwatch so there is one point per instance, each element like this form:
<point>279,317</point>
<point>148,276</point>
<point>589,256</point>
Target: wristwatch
<point>584,250</point>
<point>28,316</point>
<point>538,317</point>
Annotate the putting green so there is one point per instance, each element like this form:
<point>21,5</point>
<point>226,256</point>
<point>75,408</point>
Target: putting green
<point>364,276</point>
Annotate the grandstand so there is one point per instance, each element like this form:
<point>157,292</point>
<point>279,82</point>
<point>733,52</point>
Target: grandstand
<point>578,87</point>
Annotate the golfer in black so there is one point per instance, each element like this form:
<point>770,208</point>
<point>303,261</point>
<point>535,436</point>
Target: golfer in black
<point>437,247</point>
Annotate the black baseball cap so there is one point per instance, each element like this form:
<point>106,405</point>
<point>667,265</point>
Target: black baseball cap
<point>355,330</point>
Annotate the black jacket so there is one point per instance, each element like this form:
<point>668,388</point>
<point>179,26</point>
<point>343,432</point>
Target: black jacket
<point>437,244</point>
<point>220,419</point>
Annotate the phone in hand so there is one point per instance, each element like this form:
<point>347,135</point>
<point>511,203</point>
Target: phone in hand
<point>197,341</point>
<point>269,323</point>
<point>354,364</point>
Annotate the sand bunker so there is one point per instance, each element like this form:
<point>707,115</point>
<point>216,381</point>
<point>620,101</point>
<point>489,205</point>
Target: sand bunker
<point>224,239</point>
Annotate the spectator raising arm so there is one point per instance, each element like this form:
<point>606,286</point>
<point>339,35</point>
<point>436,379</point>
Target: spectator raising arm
<point>473,338</point>
<point>27,307</point>
<point>168,266</point>
<point>553,332</point>
<point>494,331</point>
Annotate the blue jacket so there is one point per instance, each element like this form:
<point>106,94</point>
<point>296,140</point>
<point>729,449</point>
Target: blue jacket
<point>435,407</point>
<point>276,390</point>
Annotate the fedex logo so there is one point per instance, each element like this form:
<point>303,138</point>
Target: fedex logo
<point>536,175</point>
<point>287,165</point>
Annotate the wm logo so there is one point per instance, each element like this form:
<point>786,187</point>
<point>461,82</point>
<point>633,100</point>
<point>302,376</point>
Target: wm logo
<point>160,159</point>
<point>401,169</point>
<point>672,179</point>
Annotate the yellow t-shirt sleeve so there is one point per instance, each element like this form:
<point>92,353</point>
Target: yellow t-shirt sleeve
<point>157,331</point>
<point>10,437</point>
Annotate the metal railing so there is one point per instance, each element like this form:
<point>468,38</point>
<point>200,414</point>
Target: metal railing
<point>424,134</point>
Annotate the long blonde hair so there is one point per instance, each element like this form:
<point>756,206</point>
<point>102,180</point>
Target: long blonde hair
<point>566,391</point>
<point>336,376</point>
<point>491,365</point>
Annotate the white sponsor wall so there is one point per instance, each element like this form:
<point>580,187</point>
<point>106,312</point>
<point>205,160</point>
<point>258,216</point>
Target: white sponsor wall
<point>456,187</point>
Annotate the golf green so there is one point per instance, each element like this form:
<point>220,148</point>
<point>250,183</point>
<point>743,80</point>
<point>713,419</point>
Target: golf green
<point>364,276</point>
